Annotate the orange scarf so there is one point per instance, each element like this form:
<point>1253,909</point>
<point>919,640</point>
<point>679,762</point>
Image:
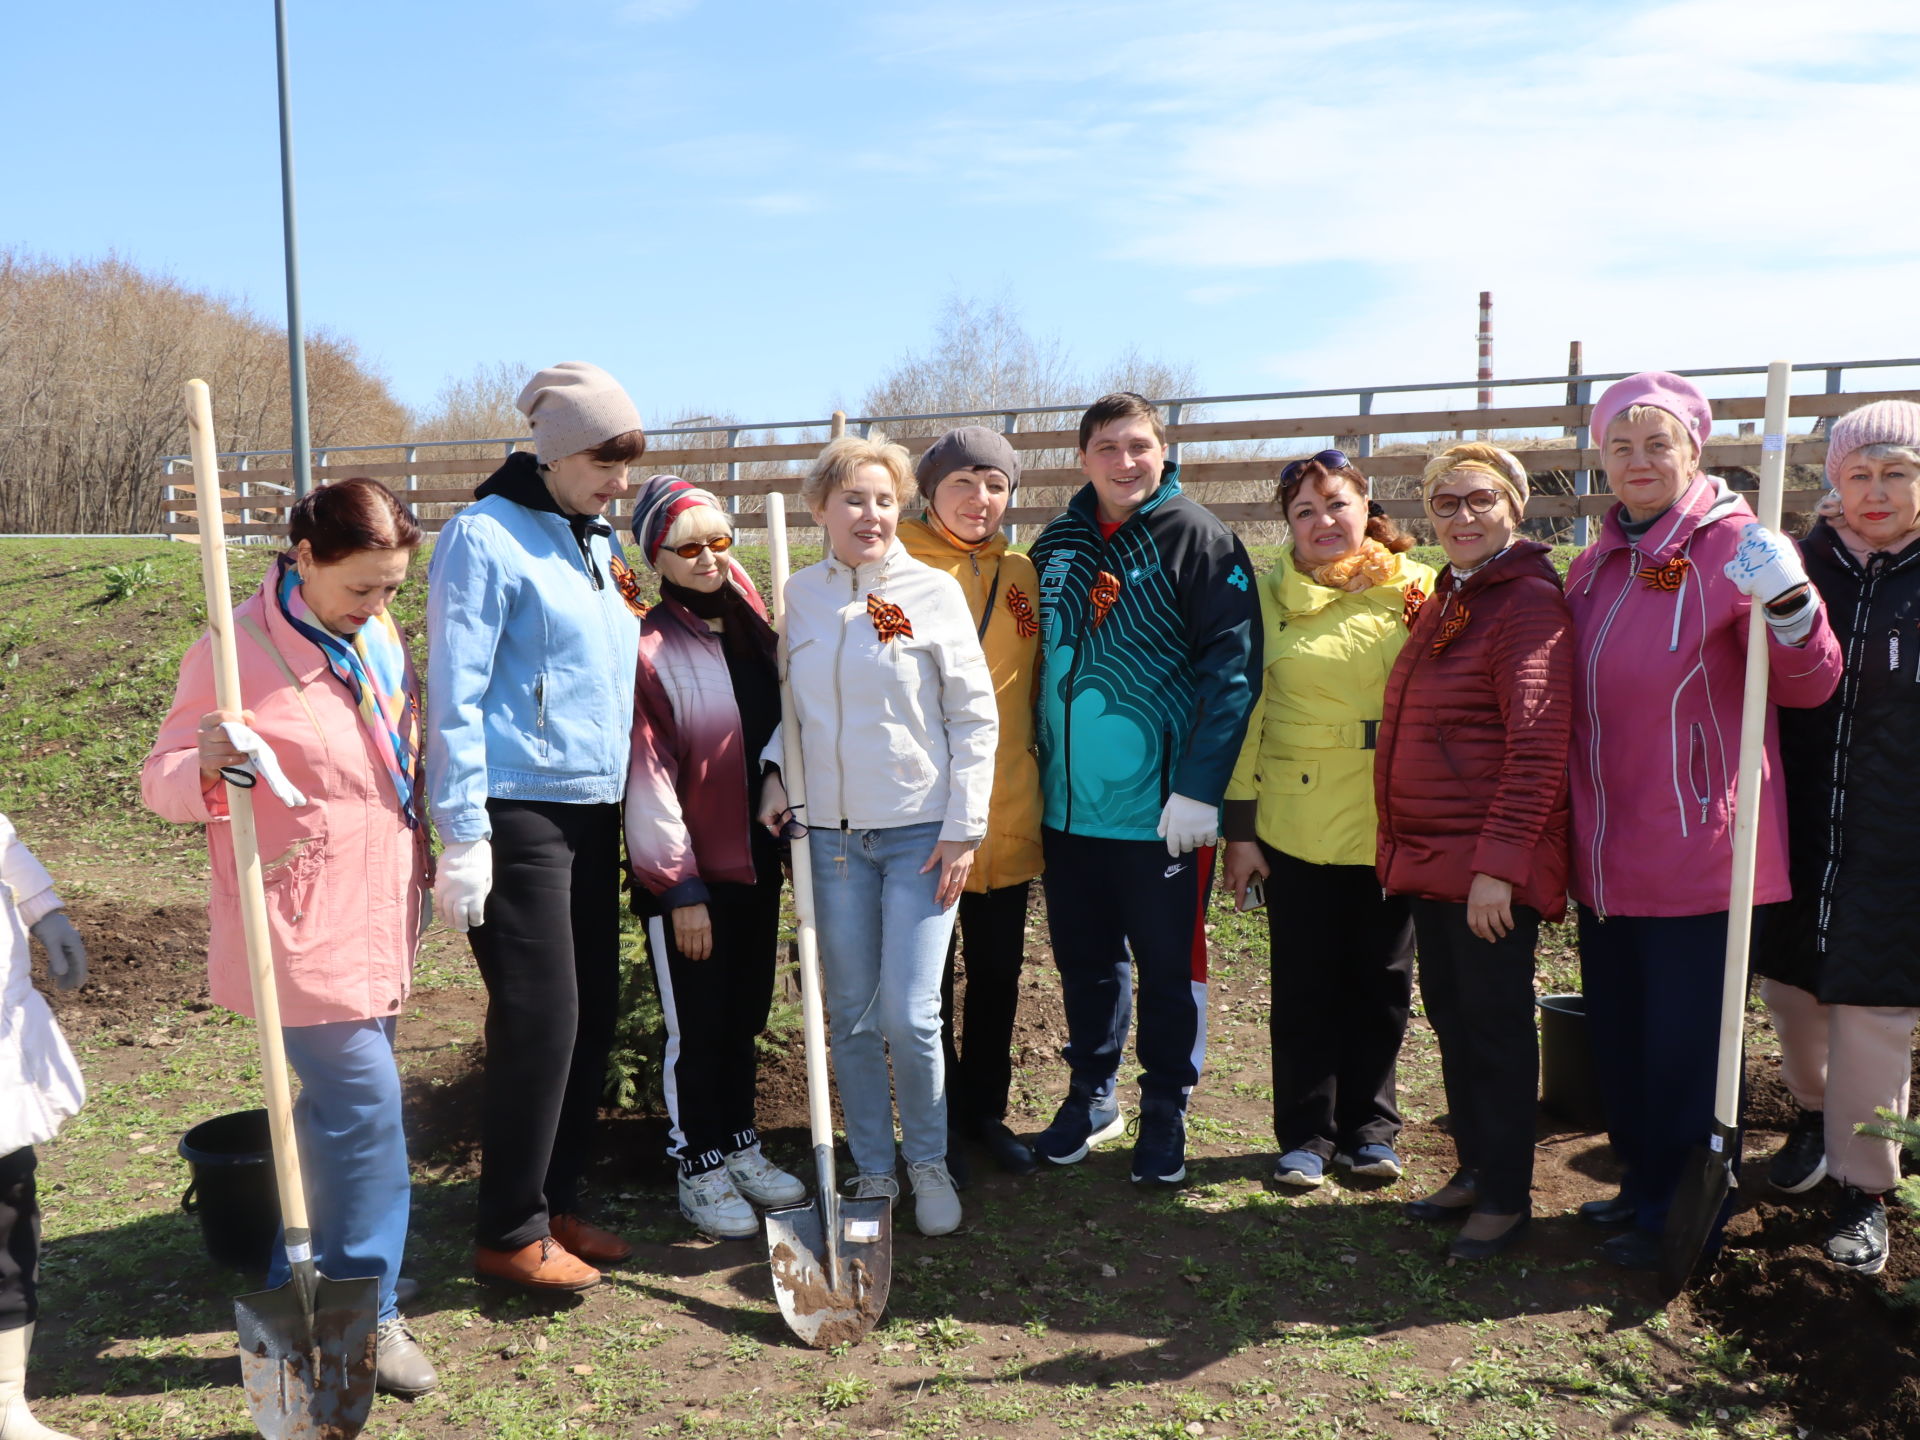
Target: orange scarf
<point>1370,565</point>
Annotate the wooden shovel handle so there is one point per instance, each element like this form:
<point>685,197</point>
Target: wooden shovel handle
<point>246,845</point>
<point>1753,754</point>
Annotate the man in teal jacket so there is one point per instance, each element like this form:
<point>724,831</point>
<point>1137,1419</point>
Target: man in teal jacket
<point>1150,636</point>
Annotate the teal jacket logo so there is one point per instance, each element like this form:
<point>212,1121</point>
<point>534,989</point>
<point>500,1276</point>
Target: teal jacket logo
<point>1238,579</point>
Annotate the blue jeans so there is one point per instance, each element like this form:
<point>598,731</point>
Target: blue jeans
<point>353,1154</point>
<point>883,945</point>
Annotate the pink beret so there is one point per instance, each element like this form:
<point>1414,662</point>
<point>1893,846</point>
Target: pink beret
<point>1679,398</point>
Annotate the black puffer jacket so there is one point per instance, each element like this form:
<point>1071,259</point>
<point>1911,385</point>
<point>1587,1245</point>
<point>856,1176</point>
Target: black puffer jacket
<point>1851,933</point>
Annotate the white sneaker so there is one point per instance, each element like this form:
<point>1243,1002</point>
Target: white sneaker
<point>715,1207</point>
<point>936,1204</point>
<point>872,1187</point>
<point>762,1181</point>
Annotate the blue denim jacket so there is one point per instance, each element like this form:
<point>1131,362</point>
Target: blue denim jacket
<point>530,666</point>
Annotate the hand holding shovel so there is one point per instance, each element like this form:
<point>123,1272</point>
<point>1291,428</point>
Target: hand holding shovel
<point>307,1348</point>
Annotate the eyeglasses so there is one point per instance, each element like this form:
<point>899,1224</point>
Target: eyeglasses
<point>1332,459</point>
<point>1478,502</point>
<point>791,828</point>
<point>719,544</point>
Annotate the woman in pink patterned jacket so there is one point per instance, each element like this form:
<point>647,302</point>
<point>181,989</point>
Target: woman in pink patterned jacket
<point>1661,603</point>
<point>707,878</point>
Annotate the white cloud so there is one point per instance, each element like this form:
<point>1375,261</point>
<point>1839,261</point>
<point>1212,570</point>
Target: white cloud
<point>1675,182</point>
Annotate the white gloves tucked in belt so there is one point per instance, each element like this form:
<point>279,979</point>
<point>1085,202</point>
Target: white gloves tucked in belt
<point>1766,568</point>
<point>460,889</point>
<point>1188,824</point>
<point>66,956</point>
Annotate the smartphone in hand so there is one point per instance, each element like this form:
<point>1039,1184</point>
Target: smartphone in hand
<point>1256,896</point>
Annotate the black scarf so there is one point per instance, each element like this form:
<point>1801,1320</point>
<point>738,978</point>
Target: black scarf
<point>744,634</point>
<point>520,481</point>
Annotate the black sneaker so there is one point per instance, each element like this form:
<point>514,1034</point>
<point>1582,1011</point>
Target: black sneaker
<point>1160,1146</point>
<point>1859,1238</point>
<point>1801,1162</point>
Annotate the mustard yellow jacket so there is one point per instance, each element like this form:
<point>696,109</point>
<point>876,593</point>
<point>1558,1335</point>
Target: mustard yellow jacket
<point>1305,777</point>
<point>996,576</point>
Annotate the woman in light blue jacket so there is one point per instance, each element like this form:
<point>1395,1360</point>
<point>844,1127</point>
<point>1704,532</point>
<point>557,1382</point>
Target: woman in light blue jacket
<point>533,632</point>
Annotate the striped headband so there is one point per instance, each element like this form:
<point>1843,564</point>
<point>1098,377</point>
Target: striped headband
<point>662,500</point>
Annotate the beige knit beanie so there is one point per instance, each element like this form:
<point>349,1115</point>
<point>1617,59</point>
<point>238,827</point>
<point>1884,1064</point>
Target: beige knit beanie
<point>574,406</point>
<point>1501,466</point>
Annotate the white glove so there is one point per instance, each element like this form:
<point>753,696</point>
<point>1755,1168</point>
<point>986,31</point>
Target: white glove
<point>261,761</point>
<point>1188,824</point>
<point>66,956</point>
<point>460,889</point>
<point>1765,568</point>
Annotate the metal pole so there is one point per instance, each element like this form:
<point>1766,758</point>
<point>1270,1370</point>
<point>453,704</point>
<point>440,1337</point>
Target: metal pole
<point>1486,352</point>
<point>296,332</point>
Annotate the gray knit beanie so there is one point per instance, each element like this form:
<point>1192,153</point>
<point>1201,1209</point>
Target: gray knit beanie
<point>1885,422</point>
<point>574,406</point>
<point>966,448</point>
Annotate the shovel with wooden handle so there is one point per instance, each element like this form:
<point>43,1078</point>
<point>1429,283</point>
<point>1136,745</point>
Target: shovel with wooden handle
<point>1709,1177</point>
<point>307,1348</point>
<point>832,1257</point>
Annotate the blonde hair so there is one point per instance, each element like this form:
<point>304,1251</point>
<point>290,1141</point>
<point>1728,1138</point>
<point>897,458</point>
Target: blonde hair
<point>697,522</point>
<point>1634,414</point>
<point>844,458</point>
<point>1501,466</point>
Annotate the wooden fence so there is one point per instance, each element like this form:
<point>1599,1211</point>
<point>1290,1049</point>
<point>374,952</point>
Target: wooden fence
<point>422,482</point>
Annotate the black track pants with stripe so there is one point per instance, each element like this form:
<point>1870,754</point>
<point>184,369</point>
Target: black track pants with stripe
<point>1106,898</point>
<point>715,1009</point>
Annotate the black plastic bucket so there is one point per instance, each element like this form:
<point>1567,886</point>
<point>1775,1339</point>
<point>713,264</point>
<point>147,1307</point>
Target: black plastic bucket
<point>232,1189</point>
<point>1569,1088</point>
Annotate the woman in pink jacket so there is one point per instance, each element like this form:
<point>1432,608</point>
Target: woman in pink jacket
<point>332,722</point>
<point>707,879</point>
<point>1661,604</point>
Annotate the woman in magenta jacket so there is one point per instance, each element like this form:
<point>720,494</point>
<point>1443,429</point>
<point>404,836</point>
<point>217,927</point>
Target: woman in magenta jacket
<point>1470,782</point>
<point>1661,604</point>
<point>330,691</point>
<point>707,878</point>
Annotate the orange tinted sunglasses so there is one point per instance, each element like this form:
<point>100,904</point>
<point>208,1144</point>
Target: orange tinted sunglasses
<point>719,544</point>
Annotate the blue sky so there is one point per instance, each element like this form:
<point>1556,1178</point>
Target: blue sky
<point>756,207</point>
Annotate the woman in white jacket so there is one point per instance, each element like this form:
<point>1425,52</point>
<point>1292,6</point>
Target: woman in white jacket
<point>898,728</point>
<point>40,1086</point>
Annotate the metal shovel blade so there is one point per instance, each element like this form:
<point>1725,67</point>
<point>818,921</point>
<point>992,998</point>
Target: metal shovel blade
<point>1698,1207</point>
<point>309,1378</point>
<point>818,1312</point>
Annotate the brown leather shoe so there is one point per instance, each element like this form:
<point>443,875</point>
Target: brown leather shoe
<point>545,1267</point>
<point>589,1242</point>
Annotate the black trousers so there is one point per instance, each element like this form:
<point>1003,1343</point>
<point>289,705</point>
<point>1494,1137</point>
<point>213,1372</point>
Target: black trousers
<point>1652,987</point>
<point>19,1240</point>
<point>993,934</point>
<point>1342,958</point>
<point>1479,996</point>
<point>715,1010</point>
<point>1116,908</point>
<point>550,955</point>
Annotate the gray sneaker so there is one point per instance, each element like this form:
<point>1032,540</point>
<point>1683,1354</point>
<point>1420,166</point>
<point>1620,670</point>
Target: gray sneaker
<point>401,1368</point>
<point>762,1181</point>
<point>936,1205</point>
<point>873,1187</point>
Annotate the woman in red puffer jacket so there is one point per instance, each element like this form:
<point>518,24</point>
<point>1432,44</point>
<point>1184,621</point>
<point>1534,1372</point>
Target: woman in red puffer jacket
<point>1471,789</point>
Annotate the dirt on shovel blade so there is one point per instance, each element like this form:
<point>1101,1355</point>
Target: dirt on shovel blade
<point>302,1386</point>
<point>834,1317</point>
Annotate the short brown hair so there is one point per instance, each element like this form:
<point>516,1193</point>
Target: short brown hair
<point>1121,405</point>
<point>348,516</point>
<point>1379,526</point>
<point>837,463</point>
<point>621,449</point>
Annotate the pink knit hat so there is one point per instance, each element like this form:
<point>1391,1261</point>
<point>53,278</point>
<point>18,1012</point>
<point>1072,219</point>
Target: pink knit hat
<point>1679,398</point>
<point>1885,422</point>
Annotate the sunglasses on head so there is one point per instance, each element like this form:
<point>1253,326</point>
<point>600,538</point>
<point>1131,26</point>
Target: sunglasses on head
<point>1331,459</point>
<point>719,544</point>
<point>1478,502</point>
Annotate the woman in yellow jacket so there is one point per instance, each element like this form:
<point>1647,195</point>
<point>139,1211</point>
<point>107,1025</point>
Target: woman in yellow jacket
<point>967,478</point>
<point>1300,819</point>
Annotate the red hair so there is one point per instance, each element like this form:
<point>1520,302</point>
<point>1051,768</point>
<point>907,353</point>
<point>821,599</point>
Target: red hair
<point>348,516</point>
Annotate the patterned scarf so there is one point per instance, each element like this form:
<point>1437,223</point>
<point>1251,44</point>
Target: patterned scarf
<point>373,666</point>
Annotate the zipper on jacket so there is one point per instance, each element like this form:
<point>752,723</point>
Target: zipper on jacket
<point>1849,693</point>
<point>839,700</point>
<point>1697,740</point>
<point>1593,720</point>
<point>540,704</point>
<point>1679,607</point>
